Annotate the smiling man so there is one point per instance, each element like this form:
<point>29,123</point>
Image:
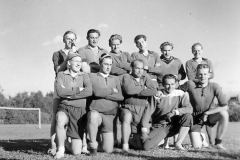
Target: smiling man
<point>170,64</point>
<point>171,116</point>
<point>73,87</point>
<point>107,93</point>
<point>191,65</point>
<point>202,94</point>
<point>91,52</point>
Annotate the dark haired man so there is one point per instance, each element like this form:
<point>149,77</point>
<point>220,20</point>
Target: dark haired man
<point>91,52</point>
<point>150,59</point>
<point>107,93</point>
<point>137,88</point>
<point>202,94</point>
<point>171,115</point>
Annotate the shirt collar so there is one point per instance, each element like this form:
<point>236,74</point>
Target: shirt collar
<point>166,60</point>
<point>68,72</point>
<point>88,47</point>
<point>99,74</point>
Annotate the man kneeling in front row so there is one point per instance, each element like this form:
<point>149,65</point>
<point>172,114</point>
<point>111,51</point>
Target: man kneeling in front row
<point>138,87</point>
<point>73,87</point>
<point>171,115</point>
<point>104,105</point>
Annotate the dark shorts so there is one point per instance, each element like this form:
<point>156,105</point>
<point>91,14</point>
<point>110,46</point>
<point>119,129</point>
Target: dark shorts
<point>108,122</point>
<point>198,123</point>
<point>77,120</point>
<point>137,113</point>
<point>160,131</point>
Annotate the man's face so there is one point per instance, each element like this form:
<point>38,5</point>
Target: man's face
<point>197,51</point>
<point>115,46</point>
<point>106,66</point>
<point>167,50</point>
<point>137,70</point>
<point>75,64</point>
<point>169,85</point>
<point>141,44</point>
<point>93,39</point>
<point>68,40</point>
<point>203,75</point>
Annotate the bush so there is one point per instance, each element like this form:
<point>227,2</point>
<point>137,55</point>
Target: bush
<point>234,113</point>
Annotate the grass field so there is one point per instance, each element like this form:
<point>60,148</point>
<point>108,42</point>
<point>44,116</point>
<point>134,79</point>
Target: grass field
<point>28,142</point>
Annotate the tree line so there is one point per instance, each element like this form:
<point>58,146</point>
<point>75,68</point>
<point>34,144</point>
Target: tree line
<point>38,100</point>
<point>26,100</point>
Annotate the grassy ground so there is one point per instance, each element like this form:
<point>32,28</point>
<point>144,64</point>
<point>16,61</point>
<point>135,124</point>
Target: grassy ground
<point>28,142</point>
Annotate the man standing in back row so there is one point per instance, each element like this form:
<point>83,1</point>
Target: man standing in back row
<point>91,52</point>
<point>150,59</point>
<point>170,64</point>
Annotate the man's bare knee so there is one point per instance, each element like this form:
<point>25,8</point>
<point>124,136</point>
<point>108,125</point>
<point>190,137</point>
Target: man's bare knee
<point>61,119</point>
<point>126,116</point>
<point>93,117</point>
<point>224,114</point>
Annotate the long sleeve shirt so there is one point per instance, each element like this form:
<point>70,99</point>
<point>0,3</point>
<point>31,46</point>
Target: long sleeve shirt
<point>177,100</point>
<point>104,98</point>
<point>152,60</point>
<point>68,88</point>
<point>92,59</point>
<point>121,63</point>
<point>173,66</point>
<point>202,98</point>
<point>191,68</point>
<point>58,58</point>
<point>136,93</point>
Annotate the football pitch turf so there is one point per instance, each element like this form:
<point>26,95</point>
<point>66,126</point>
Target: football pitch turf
<point>28,142</point>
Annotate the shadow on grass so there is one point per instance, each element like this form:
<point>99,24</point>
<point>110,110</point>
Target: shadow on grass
<point>27,146</point>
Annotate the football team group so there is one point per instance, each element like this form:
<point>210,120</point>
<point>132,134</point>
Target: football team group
<point>99,94</point>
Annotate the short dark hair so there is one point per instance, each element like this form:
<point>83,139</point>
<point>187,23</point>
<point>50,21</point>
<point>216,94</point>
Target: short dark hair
<point>166,44</point>
<point>136,60</point>
<point>93,31</point>
<point>70,32</point>
<point>114,37</point>
<point>202,66</point>
<point>168,76</point>
<point>196,44</point>
<point>139,37</point>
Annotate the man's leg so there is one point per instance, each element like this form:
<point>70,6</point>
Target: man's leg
<point>107,142</point>
<point>223,119</point>
<point>94,121</point>
<point>210,134</point>
<point>76,146</point>
<point>61,120</point>
<point>126,118</point>
<point>155,137</point>
<point>185,122</point>
<point>196,140</point>
<point>53,149</point>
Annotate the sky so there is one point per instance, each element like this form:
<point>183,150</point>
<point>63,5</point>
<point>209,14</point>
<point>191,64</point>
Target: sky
<point>31,31</point>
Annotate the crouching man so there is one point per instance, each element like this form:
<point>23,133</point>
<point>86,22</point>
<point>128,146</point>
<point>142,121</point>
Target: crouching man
<point>73,87</point>
<point>137,88</point>
<point>202,94</point>
<point>171,116</point>
<point>104,106</point>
